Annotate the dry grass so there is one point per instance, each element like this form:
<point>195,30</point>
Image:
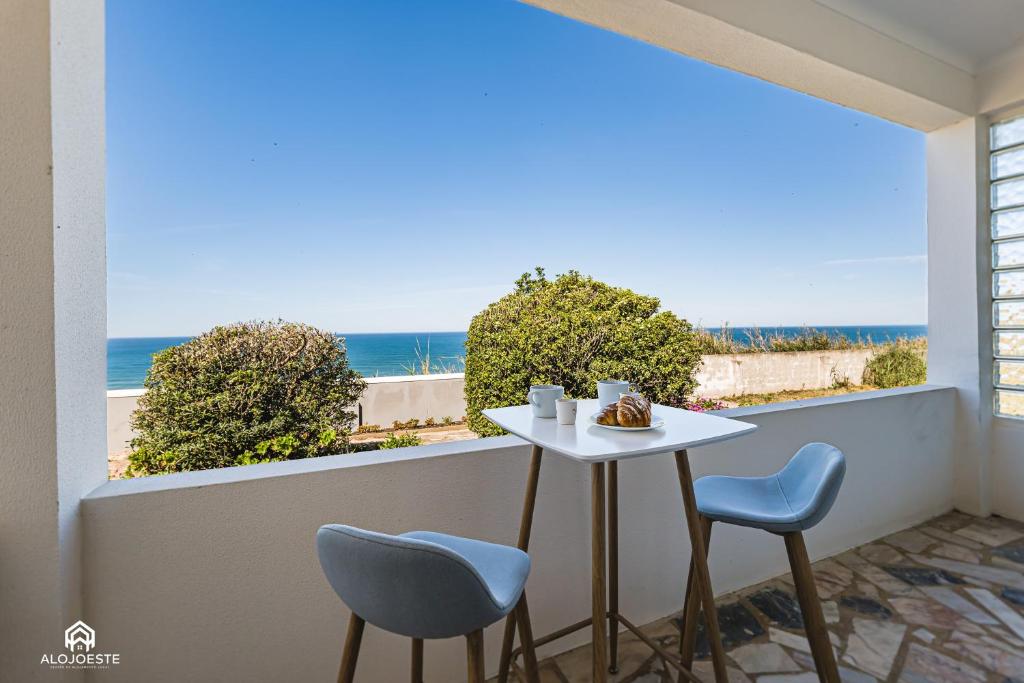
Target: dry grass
<point>809,339</point>
<point>793,395</point>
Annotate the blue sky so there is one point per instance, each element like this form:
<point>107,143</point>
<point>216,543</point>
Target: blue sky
<point>394,165</point>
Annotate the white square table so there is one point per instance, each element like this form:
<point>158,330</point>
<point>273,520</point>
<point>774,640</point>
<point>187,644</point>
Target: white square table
<point>590,443</point>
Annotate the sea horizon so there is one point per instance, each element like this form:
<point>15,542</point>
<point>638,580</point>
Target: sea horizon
<point>389,354</point>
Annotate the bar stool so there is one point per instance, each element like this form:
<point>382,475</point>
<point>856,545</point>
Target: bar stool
<point>425,585</point>
<point>786,503</point>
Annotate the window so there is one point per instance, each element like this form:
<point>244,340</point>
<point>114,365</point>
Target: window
<point>1007,204</point>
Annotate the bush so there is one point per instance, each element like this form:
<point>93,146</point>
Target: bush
<point>400,441</point>
<point>242,394</point>
<point>898,365</point>
<point>573,331</point>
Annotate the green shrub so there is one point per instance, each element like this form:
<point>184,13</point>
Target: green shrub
<point>242,394</point>
<point>400,441</point>
<point>897,365</point>
<point>573,331</point>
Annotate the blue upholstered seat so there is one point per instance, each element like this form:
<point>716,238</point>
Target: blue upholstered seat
<point>794,499</point>
<point>422,584</point>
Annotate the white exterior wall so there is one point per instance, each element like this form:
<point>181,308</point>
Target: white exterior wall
<point>52,317</point>
<point>210,576</point>
<point>751,373</point>
<point>959,298</point>
<point>387,399</point>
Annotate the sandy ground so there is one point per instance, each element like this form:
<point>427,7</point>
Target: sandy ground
<point>118,462</point>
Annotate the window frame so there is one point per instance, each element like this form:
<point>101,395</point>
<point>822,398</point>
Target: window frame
<point>1007,358</point>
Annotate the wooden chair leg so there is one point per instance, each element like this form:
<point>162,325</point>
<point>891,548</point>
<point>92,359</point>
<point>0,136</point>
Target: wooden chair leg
<point>526,638</point>
<point>691,606</point>
<point>475,656</point>
<point>350,653</point>
<point>417,660</point>
<point>701,573</point>
<point>810,606</point>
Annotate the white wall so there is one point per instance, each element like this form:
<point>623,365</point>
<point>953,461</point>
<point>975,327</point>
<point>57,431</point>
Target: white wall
<point>748,373</point>
<point>387,399</point>
<point>52,317</point>
<point>1008,468</point>
<point>79,273</point>
<point>959,298</point>
<point>29,592</point>
<point>212,576</point>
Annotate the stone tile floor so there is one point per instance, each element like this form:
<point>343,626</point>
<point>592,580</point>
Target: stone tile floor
<point>940,603</point>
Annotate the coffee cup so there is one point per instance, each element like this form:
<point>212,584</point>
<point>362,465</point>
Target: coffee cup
<point>565,410</point>
<point>542,398</point>
<point>609,390</point>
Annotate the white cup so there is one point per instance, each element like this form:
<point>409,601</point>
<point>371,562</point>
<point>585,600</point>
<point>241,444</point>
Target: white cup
<point>542,397</point>
<point>609,390</point>
<point>565,408</point>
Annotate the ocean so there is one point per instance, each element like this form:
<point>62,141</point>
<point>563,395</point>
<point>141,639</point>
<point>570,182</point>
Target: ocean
<point>389,354</point>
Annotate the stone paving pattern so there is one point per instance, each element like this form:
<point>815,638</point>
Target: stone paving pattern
<point>940,603</point>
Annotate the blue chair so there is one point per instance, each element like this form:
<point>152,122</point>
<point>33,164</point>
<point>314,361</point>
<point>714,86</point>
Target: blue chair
<point>786,503</point>
<point>425,585</point>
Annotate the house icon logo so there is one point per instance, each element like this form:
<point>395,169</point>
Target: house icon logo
<point>80,641</point>
<point>79,637</point>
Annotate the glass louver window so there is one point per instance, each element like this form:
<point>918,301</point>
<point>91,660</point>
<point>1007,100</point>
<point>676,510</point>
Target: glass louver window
<point>1007,196</point>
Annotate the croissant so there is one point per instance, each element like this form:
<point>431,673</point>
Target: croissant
<point>607,416</point>
<point>633,411</point>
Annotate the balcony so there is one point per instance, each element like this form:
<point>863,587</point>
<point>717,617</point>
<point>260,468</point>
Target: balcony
<point>212,576</point>
<point>214,538</point>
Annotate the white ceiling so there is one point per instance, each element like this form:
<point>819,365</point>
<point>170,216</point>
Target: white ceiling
<point>969,34</point>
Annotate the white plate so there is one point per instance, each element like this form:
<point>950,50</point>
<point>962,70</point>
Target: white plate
<point>656,423</point>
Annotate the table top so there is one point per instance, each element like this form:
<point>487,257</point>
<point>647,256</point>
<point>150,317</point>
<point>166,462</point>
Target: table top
<point>589,442</point>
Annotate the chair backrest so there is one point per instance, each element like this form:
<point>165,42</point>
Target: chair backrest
<point>811,480</point>
<point>406,586</point>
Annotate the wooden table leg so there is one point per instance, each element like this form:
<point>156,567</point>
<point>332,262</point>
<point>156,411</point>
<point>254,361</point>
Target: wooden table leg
<point>599,590</point>
<point>525,527</point>
<point>613,566</point>
<point>698,553</point>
